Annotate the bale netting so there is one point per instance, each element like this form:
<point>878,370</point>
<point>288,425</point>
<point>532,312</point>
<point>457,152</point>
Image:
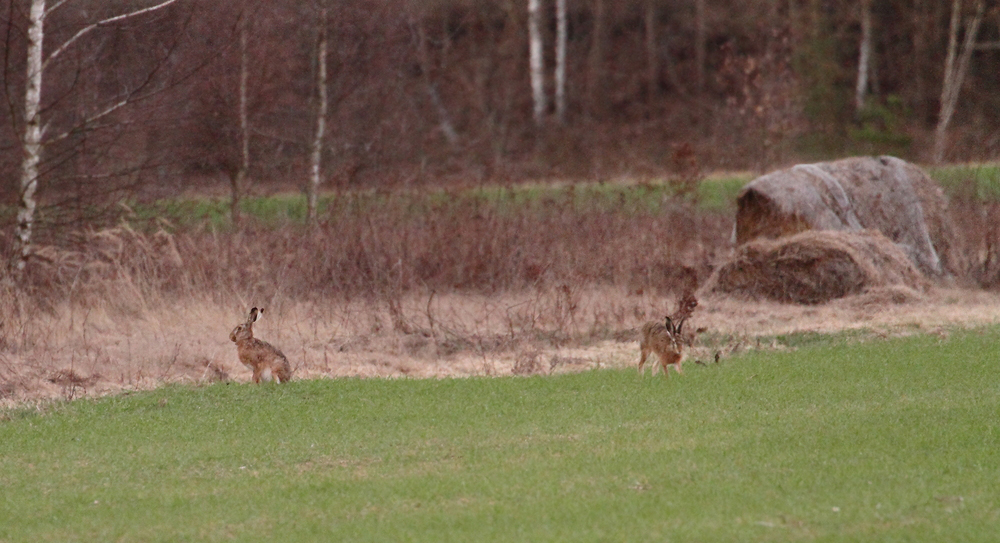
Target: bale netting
<point>816,266</point>
<point>885,194</point>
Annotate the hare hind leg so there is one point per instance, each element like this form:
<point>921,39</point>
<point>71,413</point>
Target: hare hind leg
<point>643,356</point>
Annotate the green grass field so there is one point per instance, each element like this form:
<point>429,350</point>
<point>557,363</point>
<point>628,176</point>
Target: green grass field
<point>895,440</point>
<point>715,193</point>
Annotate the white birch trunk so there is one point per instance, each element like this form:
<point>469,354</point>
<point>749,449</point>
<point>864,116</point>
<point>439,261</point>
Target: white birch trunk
<point>954,74</point>
<point>652,55</point>
<point>536,60</point>
<point>864,56</point>
<point>32,136</point>
<point>322,106</point>
<point>560,74</point>
<point>33,140</point>
<point>239,178</point>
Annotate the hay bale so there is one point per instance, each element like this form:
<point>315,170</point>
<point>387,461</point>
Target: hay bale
<point>816,266</point>
<point>885,194</point>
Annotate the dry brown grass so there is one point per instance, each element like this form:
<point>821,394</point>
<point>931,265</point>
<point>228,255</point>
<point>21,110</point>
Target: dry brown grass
<point>467,289</point>
<point>73,351</point>
<point>447,290</point>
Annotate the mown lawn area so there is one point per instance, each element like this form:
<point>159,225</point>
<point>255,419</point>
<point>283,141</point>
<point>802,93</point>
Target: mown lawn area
<point>892,440</point>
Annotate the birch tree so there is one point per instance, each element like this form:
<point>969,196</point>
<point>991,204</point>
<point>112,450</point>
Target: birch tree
<point>560,74</point>
<point>238,178</point>
<point>955,66</point>
<point>417,27</point>
<point>341,68</point>
<point>595,60</point>
<point>536,60</point>
<point>700,44</point>
<point>652,54</point>
<point>36,134</point>
<point>864,56</point>
<point>322,109</point>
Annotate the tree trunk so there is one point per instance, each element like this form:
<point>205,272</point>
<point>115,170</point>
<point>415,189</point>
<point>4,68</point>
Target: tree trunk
<point>595,61</point>
<point>444,120</point>
<point>32,137</point>
<point>652,54</point>
<point>954,74</point>
<point>239,178</point>
<point>560,75</point>
<point>699,45</point>
<point>864,56</point>
<point>322,105</point>
<point>918,37</point>
<point>536,60</point>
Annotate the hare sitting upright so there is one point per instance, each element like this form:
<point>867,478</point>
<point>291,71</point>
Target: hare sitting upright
<point>260,356</point>
<point>665,338</point>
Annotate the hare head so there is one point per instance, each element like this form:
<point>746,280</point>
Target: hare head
<point>674,331</point>
<point>244,331</point>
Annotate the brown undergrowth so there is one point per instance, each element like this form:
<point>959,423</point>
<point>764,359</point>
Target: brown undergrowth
<point>388,290</point>
<point>404,287</point>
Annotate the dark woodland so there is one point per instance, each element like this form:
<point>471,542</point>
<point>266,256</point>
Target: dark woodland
<point>438,92</point>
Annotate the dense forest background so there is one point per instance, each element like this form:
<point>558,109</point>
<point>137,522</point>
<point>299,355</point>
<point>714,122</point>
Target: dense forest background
<point>221,96</point>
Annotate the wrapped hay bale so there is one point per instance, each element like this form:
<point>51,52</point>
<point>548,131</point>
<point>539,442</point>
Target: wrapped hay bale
<point>885,194</point>
<point>816,266</point>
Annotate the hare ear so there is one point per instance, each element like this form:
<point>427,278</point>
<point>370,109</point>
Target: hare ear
<point>253,316</point>
<point>670,325</point>
<point>679,326</point>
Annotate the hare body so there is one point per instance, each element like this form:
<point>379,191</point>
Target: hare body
<point>260,356</point>
<point>665,340</point>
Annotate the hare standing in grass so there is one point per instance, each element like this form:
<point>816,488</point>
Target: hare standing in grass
<point>263,358</point>
<point>665,338</point>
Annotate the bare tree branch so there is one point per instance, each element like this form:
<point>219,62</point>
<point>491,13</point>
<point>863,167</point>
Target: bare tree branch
<point>85,30</point>
<point>57,5</point>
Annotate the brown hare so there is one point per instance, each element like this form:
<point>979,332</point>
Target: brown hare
<point>260,356</point>
<point>665,338</point>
